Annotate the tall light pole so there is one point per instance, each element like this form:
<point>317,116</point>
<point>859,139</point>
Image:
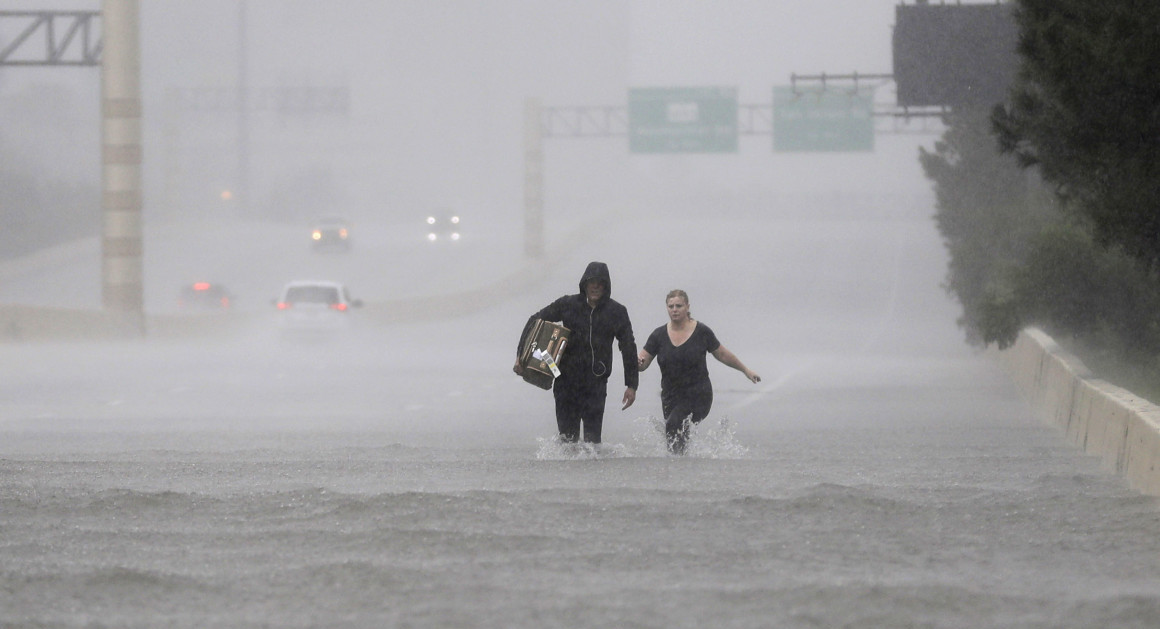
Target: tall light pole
<point>242,194</point>
<point>533,178</point>
<point>121,200</point>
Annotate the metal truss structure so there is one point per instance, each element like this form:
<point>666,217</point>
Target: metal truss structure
<point>852,83</point>
<point>585,122</point>
<point>37,43</point>
<point>901,118</point>
<point>612,121</point>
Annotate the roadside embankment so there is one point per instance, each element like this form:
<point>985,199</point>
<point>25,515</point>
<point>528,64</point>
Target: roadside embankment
<point>39,323</point>
<point>455,287</point>
<point>20,323</point>
<point>1105,420</point>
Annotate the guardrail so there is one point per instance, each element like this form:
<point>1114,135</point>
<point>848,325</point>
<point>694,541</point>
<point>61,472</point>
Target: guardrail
<point>1107,421</point>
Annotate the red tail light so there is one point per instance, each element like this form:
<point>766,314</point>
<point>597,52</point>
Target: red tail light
<point>201,286</point>
<point>339,307</point>
<point>282,305</point>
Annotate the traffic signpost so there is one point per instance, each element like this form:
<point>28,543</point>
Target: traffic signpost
<point>682,120</point>
<point>822,121</point>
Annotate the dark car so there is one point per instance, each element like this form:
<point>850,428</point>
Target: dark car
<point>204,296</point>
<point>330,234</point>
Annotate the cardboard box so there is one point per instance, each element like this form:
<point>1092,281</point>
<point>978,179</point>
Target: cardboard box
<point>540,352</point>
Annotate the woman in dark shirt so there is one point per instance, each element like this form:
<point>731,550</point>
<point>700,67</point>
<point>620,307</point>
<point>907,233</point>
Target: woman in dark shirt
<point>679,348</point>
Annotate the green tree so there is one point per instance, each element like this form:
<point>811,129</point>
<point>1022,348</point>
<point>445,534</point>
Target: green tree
<point>1085,109</point>
<point>1050,206</point>
<point>1015,259</point>
<point>1077,287</point>
<point>986,218</point>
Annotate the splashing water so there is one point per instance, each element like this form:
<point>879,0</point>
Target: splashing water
<point>715,440</point>
<point>710,439</point>
<point>556,449</point>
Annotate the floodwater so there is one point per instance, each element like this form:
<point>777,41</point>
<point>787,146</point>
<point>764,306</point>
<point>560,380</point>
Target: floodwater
<point>994,526</point>
<point>881,475</point>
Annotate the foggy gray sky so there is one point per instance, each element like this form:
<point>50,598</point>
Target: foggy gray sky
<point>436,95</point>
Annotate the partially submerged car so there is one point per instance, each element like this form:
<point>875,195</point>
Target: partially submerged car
<point>315,306</point>
<point>204,296</point>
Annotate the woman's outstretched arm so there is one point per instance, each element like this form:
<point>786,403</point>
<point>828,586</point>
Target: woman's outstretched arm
<point>730,359</point>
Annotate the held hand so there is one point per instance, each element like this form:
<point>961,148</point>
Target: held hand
<point>629,398</point>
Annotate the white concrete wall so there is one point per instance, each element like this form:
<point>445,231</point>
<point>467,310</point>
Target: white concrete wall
<point>1103,419</point>
<point>40,323</point>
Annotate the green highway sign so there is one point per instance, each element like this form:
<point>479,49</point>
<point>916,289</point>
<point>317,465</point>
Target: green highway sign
<point>831,120</point>
<point>682,120</point>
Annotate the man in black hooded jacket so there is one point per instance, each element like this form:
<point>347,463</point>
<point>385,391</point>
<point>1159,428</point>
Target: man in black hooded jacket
<point>594,319</point>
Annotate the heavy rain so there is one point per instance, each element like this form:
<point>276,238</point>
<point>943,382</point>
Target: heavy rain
<point>226,464</point>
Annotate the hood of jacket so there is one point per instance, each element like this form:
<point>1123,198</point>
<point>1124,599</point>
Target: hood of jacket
<point>597,271</point>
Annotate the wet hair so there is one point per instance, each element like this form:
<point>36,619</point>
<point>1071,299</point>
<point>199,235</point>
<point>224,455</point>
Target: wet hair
<point>676,292</point>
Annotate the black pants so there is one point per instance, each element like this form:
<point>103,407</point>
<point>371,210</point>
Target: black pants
<point>682,409</point>
<point>580,404</point>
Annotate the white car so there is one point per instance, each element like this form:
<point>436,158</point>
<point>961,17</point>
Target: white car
<point>315,306</point>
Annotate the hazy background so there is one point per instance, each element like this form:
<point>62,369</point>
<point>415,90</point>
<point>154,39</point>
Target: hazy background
<point>800,255</point>
<point>436,93</point>
<point>882,473</point>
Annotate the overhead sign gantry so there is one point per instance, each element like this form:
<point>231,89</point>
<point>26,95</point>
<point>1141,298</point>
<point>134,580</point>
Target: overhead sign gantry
<point>117,52</point>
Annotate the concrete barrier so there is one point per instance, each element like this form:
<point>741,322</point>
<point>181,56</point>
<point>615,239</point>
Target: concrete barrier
<point>39,323</point>
<point>19,323</point>
<point>1110,422</point>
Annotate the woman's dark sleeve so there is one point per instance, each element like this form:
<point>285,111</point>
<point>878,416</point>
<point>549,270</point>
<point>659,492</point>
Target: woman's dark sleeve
<point>711,342</point>
<point>652,344</point>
